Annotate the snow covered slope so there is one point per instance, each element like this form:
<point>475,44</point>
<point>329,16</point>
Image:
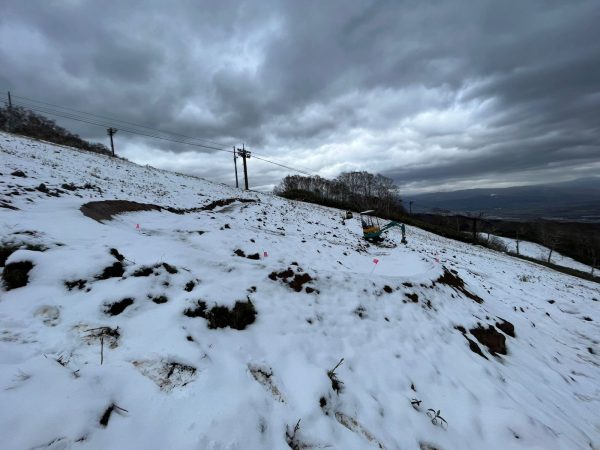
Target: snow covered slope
<point>130,337</point>
<point>540,252</point>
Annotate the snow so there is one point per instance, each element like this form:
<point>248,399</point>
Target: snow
<point>540,252</point>
<point>250,387</point>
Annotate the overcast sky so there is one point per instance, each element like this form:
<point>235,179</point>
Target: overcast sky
<point>437,95</point>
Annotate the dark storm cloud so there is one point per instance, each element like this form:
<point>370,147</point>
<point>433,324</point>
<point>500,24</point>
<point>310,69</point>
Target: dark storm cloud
<point>431,93</point>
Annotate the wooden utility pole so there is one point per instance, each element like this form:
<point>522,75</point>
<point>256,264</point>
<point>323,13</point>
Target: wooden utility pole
<point>237,184</point>
<point>111,131</point>
<point>9,124</point>
<point>244,154</point>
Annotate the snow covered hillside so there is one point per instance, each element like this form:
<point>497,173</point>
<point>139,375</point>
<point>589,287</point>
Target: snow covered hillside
<point>219,319</point>
<point>540,252</point>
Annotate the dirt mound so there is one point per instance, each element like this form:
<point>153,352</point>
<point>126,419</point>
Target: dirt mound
<point>491,338</point>
<point>107,209</point>
<point>298,280</point>
<point>452,279</point>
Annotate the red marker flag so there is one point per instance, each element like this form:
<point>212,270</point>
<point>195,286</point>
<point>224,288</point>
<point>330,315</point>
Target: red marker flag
<point>266,254</point>
<point>375,260</point>
<point>137,226</point>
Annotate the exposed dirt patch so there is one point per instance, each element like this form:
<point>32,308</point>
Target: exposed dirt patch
<point>7,206</point>
<point>107,209</point>
<point>294,280</point>
<point>426,446</point>
<point>16,275</point>
<point>472,344</point>
<point>299,280</point>
<point>19,173</point>
<point>198,310</point>
<point>242,254</point>
<point>167,374</point>
<point>115,271</point>
<point>239,317</point>
<point>412,297</point>
<point>491,338</point>
<point>353,425</point>
<point>172,270</point>
<point>109,335</point>
<point>264,375</point>
<point>160,299</point>
<point>143,272</point>
<point>388,289</point>
<point>453,280</point>
<point>79,284</point>
<point>114,309</point>
<point>189,286</point>
<point>114,252</point>
<point>225,202</point>
<point>506,327</point>
<point>475,348</point>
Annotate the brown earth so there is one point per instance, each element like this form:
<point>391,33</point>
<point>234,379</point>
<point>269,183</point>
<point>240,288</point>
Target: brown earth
<point>107,209</point>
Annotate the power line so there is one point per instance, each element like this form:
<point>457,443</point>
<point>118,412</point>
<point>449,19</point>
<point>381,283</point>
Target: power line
<point>103,121</point>
<point>66,115</point>
<point>282,165</point>
<point>112,119</point>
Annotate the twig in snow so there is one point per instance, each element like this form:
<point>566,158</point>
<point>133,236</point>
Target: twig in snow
<point>436,418</point>
<point>336,383</point>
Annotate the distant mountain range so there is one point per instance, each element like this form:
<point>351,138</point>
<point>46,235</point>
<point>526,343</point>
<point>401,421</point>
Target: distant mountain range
<point>573,200</point>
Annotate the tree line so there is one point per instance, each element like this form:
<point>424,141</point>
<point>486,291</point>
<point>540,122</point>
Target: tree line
<point>19,120</point>
<point>353,191</point>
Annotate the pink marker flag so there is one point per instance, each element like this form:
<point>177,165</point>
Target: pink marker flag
<point>375,260</point>
<point>137,226</point>
<point>266,254</point>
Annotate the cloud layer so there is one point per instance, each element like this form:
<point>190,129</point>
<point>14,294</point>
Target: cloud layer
<point>434,94</point>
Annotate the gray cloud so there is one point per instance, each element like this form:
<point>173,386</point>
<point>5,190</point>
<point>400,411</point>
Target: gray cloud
<point>434,94</point>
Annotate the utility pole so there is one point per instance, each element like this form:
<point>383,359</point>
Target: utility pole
<point>9,124</point>
<point>244,154</point>
<point>237,185</point>
<point>111,131</point>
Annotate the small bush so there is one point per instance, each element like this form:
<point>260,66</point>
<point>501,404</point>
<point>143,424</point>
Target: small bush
<point>238,318</point>
<point>5,251</point>
<point>497,244</point>
<point>16,275</point>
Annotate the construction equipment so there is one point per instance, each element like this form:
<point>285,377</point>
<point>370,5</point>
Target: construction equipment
<point>372,229</point>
